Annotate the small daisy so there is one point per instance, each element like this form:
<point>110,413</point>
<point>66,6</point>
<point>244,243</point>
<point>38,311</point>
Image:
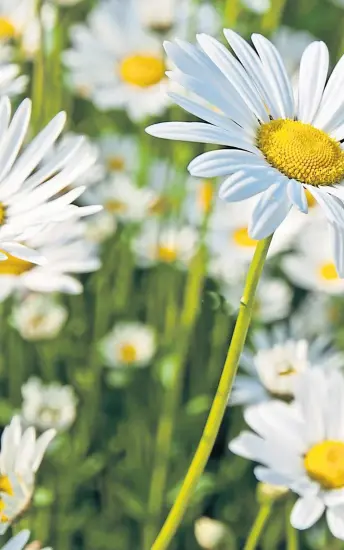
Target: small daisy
<point>129,344</point>
<point>39,317</point>
<point>15,17</point>
<point>18,542</point>
<point>165,243</point>
<point>47,406</point>
<point>199,200</point>
<point>66,251</point>
<point>100,227</point>
<point>311,266</point>
<point>20,457</point>
<point>274,368</point>
<point>301,446</point>
<point>257,6</point>
<point>209,533</point>
<point>119,153</point>
<point>277,150</point>
<point>117,63</point>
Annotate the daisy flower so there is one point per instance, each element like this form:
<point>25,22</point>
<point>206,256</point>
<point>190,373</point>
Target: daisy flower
<point>30,197</point>
<point>47,406</point>
<point>100,227</point>
<point>119,153</point>
<point>165,243</point>
<point>209,533</point>
<point>278,149</point>
<point>20,457</point>
<point>15,16</point>
<point>301,446</point>
<point>66,251</point>
<point>117,63</point>
<point>199,200</point>
<point>311,266</point>
<point>129,344</point>
<point>38,317</point>
<point>316,315</point>
<point>274,368</point>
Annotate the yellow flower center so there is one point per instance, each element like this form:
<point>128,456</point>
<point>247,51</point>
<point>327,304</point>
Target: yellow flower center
<point>14,266</point>
<point>113,206</point>
<point>328,272</point>
<point>205,195</point>
<point>242,238</point>
<point>128,353</point>
<point>116,164</point>
<point>301,152</point>
<point>324,463</point>
<point>5,487</point>
<point>2,213</point>
<point>167,254</point>
<point>142,70</point>
<point>7,29</point>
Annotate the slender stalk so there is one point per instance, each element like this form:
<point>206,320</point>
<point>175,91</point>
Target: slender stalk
<point>258,527</point>
<point>291,533</point>
<point>220,401</point>
<point>273,16</point>
<point>38,80</point>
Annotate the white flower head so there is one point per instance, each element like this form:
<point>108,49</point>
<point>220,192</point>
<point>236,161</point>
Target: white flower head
<point>301,446</point>
<point>20,457</point>
<point>38,317</point>
<point>117,63</point>
<point>276,149</point>
<point>129,344</point>
<point>15,17</point>
<point>274,368</point>
<point>66,251</point>
<point>48,406</point>
<point>119,153</point>
<point>209,532</point>
<point>165,243</point>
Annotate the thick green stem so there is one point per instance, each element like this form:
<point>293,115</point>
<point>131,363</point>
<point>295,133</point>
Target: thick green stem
<point>258,527</point>
<point>291,533</point>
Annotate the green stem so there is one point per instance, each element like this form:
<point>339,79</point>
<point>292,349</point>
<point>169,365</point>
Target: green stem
<point>273,16</point>
<point>292,534</point>
<point>258,527</point>
<point>37,91</point>
<point>220,401</point>
<point>232,12</point>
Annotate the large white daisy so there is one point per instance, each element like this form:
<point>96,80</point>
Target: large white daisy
<point>117,63</point>
<point>301,446</point>
<point>274,148</point>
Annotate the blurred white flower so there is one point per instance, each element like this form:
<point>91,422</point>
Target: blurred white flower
<point>301,446</point>
<point>209,532</point>
<point>48,405</point>
<point>100,227</point>
<point>66,251</point>
<point>129,344</point>
<point>12,83</point>
<point>20,457</point>
<point>168,243</point>
<point>311,266</point>
<point>257,6</point>
<point>15,16</point>
<point>200,199</point>
<point>38,317</point>
<point>278,360</point>
<point>316,315</point>
<point>119,153</point>
<point>117,63</point>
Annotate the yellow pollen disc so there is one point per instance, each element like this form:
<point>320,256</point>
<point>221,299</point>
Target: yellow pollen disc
<point>2,214</point>
<point>116,164</point>
<point>114,206</point>
<point>7,29</point>
<point>328,272</point>
<point>301,152</point>
<point>310,199</point>
<point>324,463</point>
<point>128,353</point>
<point>242,238</point>
<point>205,195</point>
<point>167,254</point>
<point>142,70</point>
<point>14,266</point>
<point>5,487</point>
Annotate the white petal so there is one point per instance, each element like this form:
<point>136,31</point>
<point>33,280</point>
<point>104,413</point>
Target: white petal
<point>312,79</point>
<point>41,446</point>
<point>18,541</point>
<point>306,512</point>
<point>333,206</point>
<point>270,211</point>
<point>24,253</point>
<point>222,163</point>
<point>249,445</point>
<point>335,521</point>
<point>245,184</point>
<point>332,102</point>
<point>14,137</point>
<point>270,476</point>
<point>337,234</point>
<point>297,195</point>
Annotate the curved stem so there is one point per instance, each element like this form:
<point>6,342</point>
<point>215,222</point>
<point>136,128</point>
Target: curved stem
<point>220,401</point>
<point>257,527</point>
<point>292,534</point>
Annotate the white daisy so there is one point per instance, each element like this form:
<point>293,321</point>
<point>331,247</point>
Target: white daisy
<point>66,251</point>
<point>15,16</point>
<point>199,200</point>
<point>100,227</point>
<point>165,243</point>
<point>18,542</point>
<point>20,457</point>
<point>277,150</point>
<point>274,368</point>
<point>117,63</point>
<point>30,199</point>
<point>312,266</point>
<point>129,344</point>
<point>257,6</point>
<point>316,315</point>
<point>48,406</point>
<point>39,317</point>
<point>119,153</point>
<point>301,446</point>
<point>209,533</point>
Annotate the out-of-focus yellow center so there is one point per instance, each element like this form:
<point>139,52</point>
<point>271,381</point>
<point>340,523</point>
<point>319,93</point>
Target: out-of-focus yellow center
<point>13,265</point>
<point>114,207</point>
<point>142,70</point>
<point>2,213</point>
<point>7,29</point>
<point>310,199</point>
<point>328,272</point>
<point>5,487</point>
<point>242,238</point>
<point>116,163</point>
<point>205,195</point>
<point>324,463</point>
<point>128,353</point>
<point>301,152</point>
<point>167,254</point>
